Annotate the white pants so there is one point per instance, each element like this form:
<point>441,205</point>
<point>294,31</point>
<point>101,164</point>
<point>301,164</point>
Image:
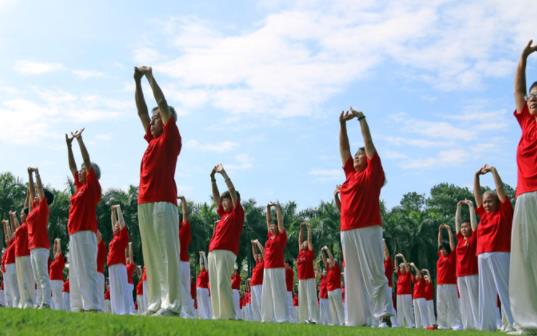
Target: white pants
<point>308,309</point>
<point>447,306</point>
<point>324,311</point>
<point>389,306</point>
<point>291,308</point>
<point>12,285</point>
<point>523,272</point>
<point>100,290</point>
<point>140,303</point>
<point>237,303</point>
<point>247,312</point>
<point>204,303</point>
<point>83,271</point>
<point>186,299</point>
<point>159,233</point>
<point>67,300</point>
<point>493,279</point>
<point>25,281</point>
<point>221,265</point>
<point>273,296</point>
<point>336,307</point>
<point>57,298</point>
<point>430,312</point>
<point>469,300</point>
<point>107,306</point>
<point>130,297</point>
<point>256,302</point>
<point>405,311</point>
<point>421,316</point>
<point>39,258</point>
<point>365,281</point>
<point>119,299</point>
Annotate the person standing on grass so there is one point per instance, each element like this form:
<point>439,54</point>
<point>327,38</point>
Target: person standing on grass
<point>11,287</point>
<point>361,226</point>
<point>447,302</point>
<point>116,261</point>
<point>274,292</point>
<point>140,292</point>
<point>23,265</point>
<point>467,272</point>
<point>224,245</point>
<point>333,285</point>
<point>38,243</point>
<point>82,229</point>
<point>66,295</point>
<point>101,261</point>
<point>236,288</point>
<point>523,270</point>
<point>131,268</point>
<point>202,290</point>
<point>308,309</point>
<point>185,236</point>
<point>388,272</point>
<point>493,249</point>
<point>405,310</point>
<point>289,284</point>
<point>428,291</point>
<point>157,199</point>
<point>256,282</point>
<point>56,275</point>
<point>418,299</point>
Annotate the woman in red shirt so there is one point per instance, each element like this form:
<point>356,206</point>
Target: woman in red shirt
<point>274,292</point>
<point>447,302</point>
<point>256,283</point>
<point>117,270</point>
<point>361,226</point>
<point>56,275</point>
<point>466,269</point>
<point>185,236</point>
<point>333,285</point>
<point>308,309</point>
<point>324,306</point>
<point>522,281</point>
<point>429,289</point>
<point>23,266</point>
<point>202,290</point>
<point>418,299</point>
<point>236,287</point>
<point>493,248</point>
<point>405,311</point>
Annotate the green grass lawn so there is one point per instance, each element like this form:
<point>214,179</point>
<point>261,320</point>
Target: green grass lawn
<point>48,322</point>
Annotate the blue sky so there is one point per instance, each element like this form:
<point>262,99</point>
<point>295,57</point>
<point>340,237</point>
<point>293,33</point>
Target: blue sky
<point>259,87</point>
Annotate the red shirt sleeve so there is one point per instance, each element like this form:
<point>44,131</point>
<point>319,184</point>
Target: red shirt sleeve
<point>524,117</point>
<point>348,167</point>
<point>124,235</point>
<point>220,210</point>
<point>374,169</point>
<point>148,137</point>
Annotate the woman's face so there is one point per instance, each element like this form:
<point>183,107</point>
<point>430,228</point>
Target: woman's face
<point>466,230</point>
<point>226,204</point>
<point>490,202</point>
<point>273,228</point>
<point>360,160</point>
<point>532,101</point>
<point>116,228</point>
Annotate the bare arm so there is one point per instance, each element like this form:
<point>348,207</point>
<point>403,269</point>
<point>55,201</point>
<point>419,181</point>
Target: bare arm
<point>386,251</point>
<point>323,258</point>
<point>214,187</point>
<point>344,146</point>
<point>310,240</point>
<point>366,134</point>
<point>499,184</point>
<point>413,266</point>
<point>120,217</point>
<point>113,216</point>
<point>70,156</point>
<point>40,189</point>
<point>331,259</point>
<point>131,253</point>
<point>184,208</point>
<point>458,219</point>
<point>450,235</point>
<point>336,197</point>
<point>440,235</point>
<point>260,247</point>
<point>31,185</point>
<point>473,219</point>
<point>268,216</point>
<point>83,149</point>
<point>141,106</point>
<point>477,189</point>
<point>230,187</point>
<point>253,248</point>
<point>162,104</point>
<point>279,218</point>
<point>520,77</point>
<point>300,236</point>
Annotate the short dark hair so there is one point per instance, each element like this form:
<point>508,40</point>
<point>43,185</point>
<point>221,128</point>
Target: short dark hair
<point>26,210</point>
<point>289,262</point>
<point>445,246</point>
<point>226,194</point>
<point>49,196</point>
<point>533,86</point>
<point>170,108</point>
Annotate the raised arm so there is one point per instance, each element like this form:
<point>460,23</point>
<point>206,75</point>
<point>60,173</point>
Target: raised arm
<point>141,106</point>
<point>260,247</point>
<point>184,208</point>
<point>131,253</point>
<point>310,240</point>
<point>331,259</point>
<point>279,218</point>
<point>230,187</point>
<point>500,191</point>
<point>70,156</point>
<point>386,251</point>
<point>113,216</point>
<point>336,197</point>
<point>120,217</point>
<point>253,249</point>
<point>300,236</point>
<point>344,146</point>
<point>57,247</point>
<point>214,187</point>
<point>477,188</point>
<point>440,235</point>
<point>164,110</point>
<point>40,190</point>
<point>31,185</point>
<point>458,220</point>
<point>83,149</point>
<point>323,258</point>
<point>413,266</point>
<point>13,220</point>
<point>366,134</point>
<point>203,260</point>
<point>450,235</point>
<point>473,218</point>
<point>268,216</point>
<point>520,77</point>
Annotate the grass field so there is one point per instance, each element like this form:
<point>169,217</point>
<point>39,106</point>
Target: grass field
<point>48,322</point>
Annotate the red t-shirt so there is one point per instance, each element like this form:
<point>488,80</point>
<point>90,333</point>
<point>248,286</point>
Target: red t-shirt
<point>404,283</point>
<point>157,171</point>
<point>10,252</point>
<point>235,281</point>
<point>83,209</point>
<point>130,272</point>
<point>116,248</point>
<point>445,269</point>
<point>193,293</point>
<point>323,291</point>
<point>101,256</point>
<point>107,294</point>
<point>388,270</point>
<point>257,274</point>
<point>289,278</point>
<point>466,255</point>
<point>66,286</point>
<point>526,155</point>
<point>304,264</point>
<point>37,221</point>
<point>185,236</point>
<point>140,288</point>
<point>203,279</point>
<point>295,300</point>
<point>428,290</point>
<point>144,275</point>
<point>494,229</point>
<point>333,277</point>
<point>359,195</point>
<point>21,241</point>
<point>419,289</point>
<point>274,250</point>
<point>227,231</point>
<point>56,268</point>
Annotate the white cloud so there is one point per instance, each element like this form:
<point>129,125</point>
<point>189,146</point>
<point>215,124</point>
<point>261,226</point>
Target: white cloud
<point>218,147</point>
<point>87,74</point>
<point>147,55</point>
<point>444,158</point>
<point>242,162</point>
<point>327,174</point>
<point>36,68</point>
